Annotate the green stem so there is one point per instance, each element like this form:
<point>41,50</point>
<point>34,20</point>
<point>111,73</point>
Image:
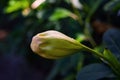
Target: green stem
<point>114,67</point>
<point>94,52</point>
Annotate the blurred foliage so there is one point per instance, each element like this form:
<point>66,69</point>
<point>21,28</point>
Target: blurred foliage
<point>16,5</point>
<point>22,22</point>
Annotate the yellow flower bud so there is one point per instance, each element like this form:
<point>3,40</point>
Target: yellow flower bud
<point>53,45</point>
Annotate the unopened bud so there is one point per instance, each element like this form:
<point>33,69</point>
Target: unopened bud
<point>53,45</point>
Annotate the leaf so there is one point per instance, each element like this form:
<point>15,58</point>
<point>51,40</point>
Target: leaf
<point>65,66</point>
<point>55,70</point>
<point>111,40</point>
<point>60,66</point>
<point>15,5</point>
<point>94,72</point>
<point>93,9</point>
<point>113,5</point>
<point>76,61</point>
<point>90,12</point>
<point>70,77</point>
<point>59,13</point>
<point>110,56</point>
<point>113,62</point>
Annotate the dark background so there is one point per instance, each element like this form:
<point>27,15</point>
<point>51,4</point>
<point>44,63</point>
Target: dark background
<point>19,22</point>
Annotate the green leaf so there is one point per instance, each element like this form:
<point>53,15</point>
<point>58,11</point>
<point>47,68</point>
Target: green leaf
<point>112,61</point>
<point>55,70</point>
<point>113,5</point>
<point>112,41</point>
<point>93,9</point>
<point>94,72</point>
<point>70,77</point>
<point>59,13</point>
<point>65,66</point>
<point>15,5</point>
<point>110,56</point>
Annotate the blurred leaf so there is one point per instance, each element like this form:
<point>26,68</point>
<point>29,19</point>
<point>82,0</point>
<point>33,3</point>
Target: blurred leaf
<point>113,62</point>
<point>75,62</point>
<point>99,48</point>
<point>65,66</point>
<point>51,1</point>
<point>93,9</point>
<point>85,7</point>
<point>15,5</point>
<point>109,55</point>
<point>111,40</point>
<point>70,77</point>
<point>80,37</point>
<point>55,70</point>
<point>113,5</point>
<point>93,72</point>
<point>64,63</point>
<point>80,62</point>
<point>87,21</point>
<point>59,13</point>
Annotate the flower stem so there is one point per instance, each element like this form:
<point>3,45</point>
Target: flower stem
<point>114,67</point>
<point>94,52</point>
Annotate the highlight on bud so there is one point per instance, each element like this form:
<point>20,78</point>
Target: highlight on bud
<point>53,45</point>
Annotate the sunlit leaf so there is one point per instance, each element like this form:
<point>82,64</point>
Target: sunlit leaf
<point>80,37</point>
<point>59,13</point>
<point>15,5</point>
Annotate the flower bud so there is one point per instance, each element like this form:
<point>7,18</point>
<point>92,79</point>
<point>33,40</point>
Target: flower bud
<point>53,45</point>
